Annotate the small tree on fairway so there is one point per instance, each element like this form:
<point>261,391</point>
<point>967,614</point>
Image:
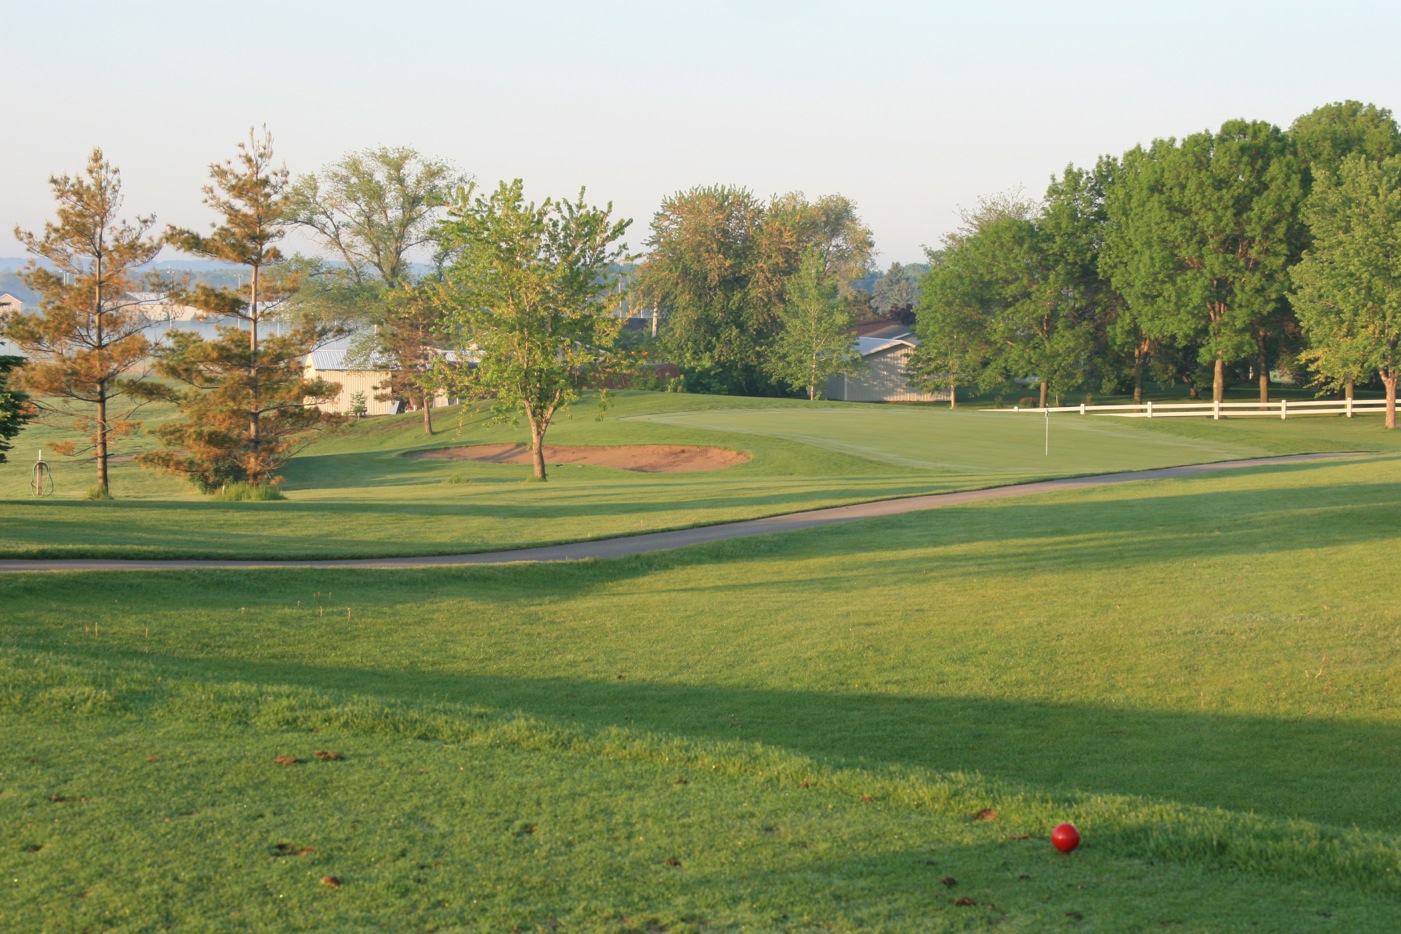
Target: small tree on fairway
<point>815,342</point>
<point>87,336</point>
<point>407,339</point>
<point>247,408</point>
<point>532,302</point>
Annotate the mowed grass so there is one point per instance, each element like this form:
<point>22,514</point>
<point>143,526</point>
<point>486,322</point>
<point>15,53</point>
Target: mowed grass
<point>354,494</point>
<point>796,732</point>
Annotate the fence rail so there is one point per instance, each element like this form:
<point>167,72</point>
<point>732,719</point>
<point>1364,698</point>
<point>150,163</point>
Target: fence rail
<point>1280,408</point>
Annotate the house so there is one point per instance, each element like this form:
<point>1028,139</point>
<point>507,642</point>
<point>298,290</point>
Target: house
<point>886,352</point>
<point>332,366</point>
<point>10,304</point>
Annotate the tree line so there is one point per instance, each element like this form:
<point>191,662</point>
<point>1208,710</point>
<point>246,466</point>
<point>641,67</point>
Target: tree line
<point>1221,256</point>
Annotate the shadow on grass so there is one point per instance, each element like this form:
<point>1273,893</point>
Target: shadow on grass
<point>1332,771</point>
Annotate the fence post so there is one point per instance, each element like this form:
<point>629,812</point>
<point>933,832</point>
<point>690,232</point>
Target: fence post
<point>1082,408</point>
<point>1216,409</point>
<point>1349,406</point>
<point>1283,409</point>
<point>1150,408</point>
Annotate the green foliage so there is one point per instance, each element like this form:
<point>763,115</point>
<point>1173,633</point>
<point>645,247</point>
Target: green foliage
<point>373,207</point>
<point>239,492</point>
<point>1349,281</point>
<point>718,269</point>
<point>87,335</point>
<point>533,310</point>
<point>98,493</point>
<point>1202,234</point>
<point>1327,135</point>
<point>15,408</point>
<point>815,341</point>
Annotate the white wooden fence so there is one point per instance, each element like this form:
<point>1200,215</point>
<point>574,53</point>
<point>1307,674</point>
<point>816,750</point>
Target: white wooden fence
<point>1280,408</point>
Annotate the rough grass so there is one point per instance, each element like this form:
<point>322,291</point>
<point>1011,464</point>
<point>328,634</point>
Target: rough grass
<point>1204,674</point>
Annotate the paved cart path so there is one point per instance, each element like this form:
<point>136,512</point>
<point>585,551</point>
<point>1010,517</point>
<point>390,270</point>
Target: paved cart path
<point>679,538</point>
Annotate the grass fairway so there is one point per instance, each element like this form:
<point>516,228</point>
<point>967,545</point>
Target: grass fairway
<point>785,733</point>
<point>355,495</point>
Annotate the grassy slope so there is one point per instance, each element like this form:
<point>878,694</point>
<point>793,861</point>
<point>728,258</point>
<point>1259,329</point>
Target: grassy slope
<point>354,495</point>
<point>1203,673</point>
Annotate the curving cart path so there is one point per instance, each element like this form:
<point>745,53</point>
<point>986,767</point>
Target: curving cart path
<point>679,538</point>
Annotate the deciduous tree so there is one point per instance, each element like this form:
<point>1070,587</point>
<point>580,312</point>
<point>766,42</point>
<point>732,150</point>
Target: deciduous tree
<point>815,342</point>
<point>86,340</point>
<point>532,304</point>
<point>1349,281</point>
<point>372,209</point>
<point>1201,238</point>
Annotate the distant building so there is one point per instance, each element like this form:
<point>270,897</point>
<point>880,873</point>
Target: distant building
<point>8,304</point>
<point>332,366</point>
<point>886,351</point>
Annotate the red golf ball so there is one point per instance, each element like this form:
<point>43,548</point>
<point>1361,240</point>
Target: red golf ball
<point>1065,837</point>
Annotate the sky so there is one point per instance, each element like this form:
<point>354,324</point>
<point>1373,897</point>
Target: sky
<point>912,110</point>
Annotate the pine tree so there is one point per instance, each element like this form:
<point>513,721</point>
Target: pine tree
<point>247,407</point>
<point>87,336</point>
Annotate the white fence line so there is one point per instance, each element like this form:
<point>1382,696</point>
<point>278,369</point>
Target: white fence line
<point>1280,408</point>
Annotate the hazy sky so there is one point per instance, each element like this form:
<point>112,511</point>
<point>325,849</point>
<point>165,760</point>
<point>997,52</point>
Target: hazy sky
<point>910,109</point>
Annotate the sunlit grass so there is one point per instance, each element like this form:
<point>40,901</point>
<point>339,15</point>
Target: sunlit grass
<point>1204,674</point>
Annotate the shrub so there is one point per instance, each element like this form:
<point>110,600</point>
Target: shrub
<point>247,492</point>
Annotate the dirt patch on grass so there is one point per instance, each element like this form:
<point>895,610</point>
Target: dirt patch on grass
<point>644,458</point>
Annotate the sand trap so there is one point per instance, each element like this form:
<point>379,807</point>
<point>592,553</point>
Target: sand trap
<point>644,458</point>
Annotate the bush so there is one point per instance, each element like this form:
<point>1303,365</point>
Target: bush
<point>247,492</point>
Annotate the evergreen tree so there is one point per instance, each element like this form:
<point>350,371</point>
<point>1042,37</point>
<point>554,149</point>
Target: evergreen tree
<point>246,406</point>
<point>86,340</point>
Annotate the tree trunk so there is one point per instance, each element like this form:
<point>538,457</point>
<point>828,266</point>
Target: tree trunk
<point>1043,394</point>
<point>427,414</point>
<point>537,448</point>
<point>1389,381</point>
<point>1262,363</point>
<point>1138,360</point>
<point>102,481</point>
<point>953,395</point>
<point>253,439</point>
<point>1347,389</point>
<point>1218,380</point>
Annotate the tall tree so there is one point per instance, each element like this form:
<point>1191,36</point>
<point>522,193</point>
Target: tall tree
<point>1201,237</point>
<point>15,408</point>
<point>951,322</point>
<point>533,303</point>
<point>86,340</point>
<point>1324,137</point>
<point>815,342</point>
<point>240,379</point>
<point>372,209</point>
<point>719,268</point>
<point>698,275</point>
<point>1327,135</point>
<point>1349,281</point>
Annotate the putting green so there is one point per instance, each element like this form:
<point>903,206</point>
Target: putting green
<point>1002,443</point>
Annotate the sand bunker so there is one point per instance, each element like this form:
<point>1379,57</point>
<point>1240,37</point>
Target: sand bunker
<point>645,458</point>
